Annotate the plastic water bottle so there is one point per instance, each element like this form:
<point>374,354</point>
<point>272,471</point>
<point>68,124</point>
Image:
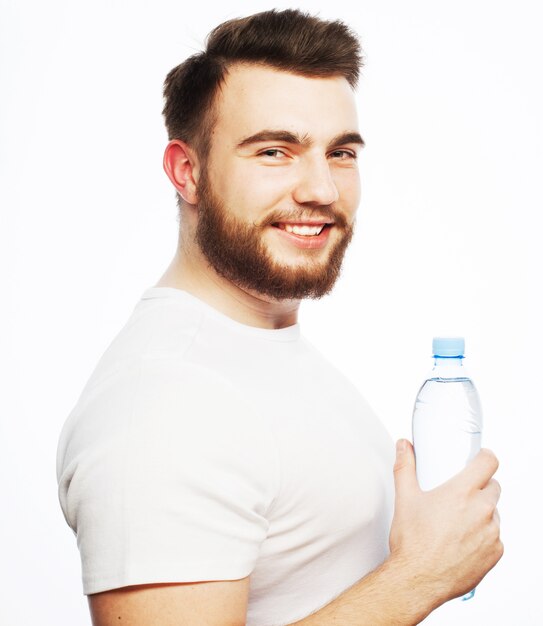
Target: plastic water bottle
<point>447,418</point>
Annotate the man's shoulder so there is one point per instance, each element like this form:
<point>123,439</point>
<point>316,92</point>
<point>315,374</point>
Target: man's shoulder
<point>158,398</point>
<point>157,327</point>
<point>154,329</point>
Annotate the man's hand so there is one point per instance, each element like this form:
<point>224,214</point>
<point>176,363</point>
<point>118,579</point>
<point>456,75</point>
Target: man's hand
<point>442,543</point>
<point>449,537</point>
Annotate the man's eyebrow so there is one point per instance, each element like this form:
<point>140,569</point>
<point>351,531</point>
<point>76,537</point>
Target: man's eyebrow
<point>349,137</point>
<point>305,141</point>
<point>276,135</point>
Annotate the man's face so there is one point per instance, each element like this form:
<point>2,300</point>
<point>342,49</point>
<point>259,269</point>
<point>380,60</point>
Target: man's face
<point>278,193</point>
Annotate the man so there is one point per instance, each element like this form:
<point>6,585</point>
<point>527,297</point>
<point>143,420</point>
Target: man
<point>216,469</point>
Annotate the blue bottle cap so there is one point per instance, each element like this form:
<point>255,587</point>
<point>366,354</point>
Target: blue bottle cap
<point>448,346</point>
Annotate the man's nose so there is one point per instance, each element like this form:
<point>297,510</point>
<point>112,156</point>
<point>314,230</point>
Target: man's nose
<point>315,184</point>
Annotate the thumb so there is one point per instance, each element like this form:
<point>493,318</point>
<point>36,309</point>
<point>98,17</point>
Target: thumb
<point>405,477</point>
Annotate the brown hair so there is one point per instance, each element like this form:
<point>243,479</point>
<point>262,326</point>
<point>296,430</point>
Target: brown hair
<point>289,40</point>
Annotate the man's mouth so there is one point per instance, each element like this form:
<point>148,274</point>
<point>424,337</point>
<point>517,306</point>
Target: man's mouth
<point>304,230</point>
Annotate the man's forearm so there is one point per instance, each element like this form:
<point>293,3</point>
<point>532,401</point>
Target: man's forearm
<point>386,596</point>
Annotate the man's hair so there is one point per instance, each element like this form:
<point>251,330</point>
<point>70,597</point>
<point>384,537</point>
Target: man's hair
<point>288,40</point>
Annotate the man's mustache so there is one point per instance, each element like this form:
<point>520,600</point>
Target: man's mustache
<point>326,213</point>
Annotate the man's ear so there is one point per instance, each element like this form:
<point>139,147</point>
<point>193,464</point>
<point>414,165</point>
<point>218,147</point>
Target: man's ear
<point>182,167</point>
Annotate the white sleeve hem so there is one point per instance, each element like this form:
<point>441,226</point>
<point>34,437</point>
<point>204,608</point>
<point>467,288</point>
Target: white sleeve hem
<point>169,573</point>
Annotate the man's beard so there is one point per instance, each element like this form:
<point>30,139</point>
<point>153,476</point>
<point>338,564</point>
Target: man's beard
<point>236,251</point>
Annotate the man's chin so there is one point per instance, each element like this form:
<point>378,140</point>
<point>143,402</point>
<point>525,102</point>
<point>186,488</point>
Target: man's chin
<point>301,274</point>
<point>297,282</point>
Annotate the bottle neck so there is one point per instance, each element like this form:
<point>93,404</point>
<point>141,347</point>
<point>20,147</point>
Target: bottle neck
<point>448,367</point>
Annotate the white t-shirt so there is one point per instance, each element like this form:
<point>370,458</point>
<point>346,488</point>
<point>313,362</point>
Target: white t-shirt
<point>205,449</point>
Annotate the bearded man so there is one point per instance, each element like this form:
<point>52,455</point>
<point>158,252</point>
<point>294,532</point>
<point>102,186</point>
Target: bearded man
<point>217,469</point>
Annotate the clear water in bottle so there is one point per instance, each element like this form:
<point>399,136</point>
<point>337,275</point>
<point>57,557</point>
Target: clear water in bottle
<point>447,418</point>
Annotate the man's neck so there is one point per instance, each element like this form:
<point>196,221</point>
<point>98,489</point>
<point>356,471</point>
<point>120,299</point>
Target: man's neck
<point>191,272</point>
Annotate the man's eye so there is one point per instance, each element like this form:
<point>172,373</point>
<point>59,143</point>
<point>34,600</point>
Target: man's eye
<point>343,154</point>
<point>272,152</point>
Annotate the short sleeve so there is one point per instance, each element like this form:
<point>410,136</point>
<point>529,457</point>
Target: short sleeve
<point>166,475</point>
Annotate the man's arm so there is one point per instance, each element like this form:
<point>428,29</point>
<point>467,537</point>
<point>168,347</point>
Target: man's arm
<point>442,543</point>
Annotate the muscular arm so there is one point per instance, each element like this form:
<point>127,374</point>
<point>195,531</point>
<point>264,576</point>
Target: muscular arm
<point>382,597</point>
<point>385,596</point>
<point>442,543</point>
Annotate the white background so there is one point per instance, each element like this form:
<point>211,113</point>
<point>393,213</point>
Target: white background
<point>448,240</point>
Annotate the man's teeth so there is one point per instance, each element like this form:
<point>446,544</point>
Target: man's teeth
<point>302,230</point>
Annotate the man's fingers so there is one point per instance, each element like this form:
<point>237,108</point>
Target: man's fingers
<point>496,517</point>
<point>490,496</point>
<point>480,469</point>
<point>405,477</point>
<point>493,489</point>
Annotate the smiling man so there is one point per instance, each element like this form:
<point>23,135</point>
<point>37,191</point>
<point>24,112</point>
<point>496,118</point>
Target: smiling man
<point>217,469</point>
<point>268,206</point>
